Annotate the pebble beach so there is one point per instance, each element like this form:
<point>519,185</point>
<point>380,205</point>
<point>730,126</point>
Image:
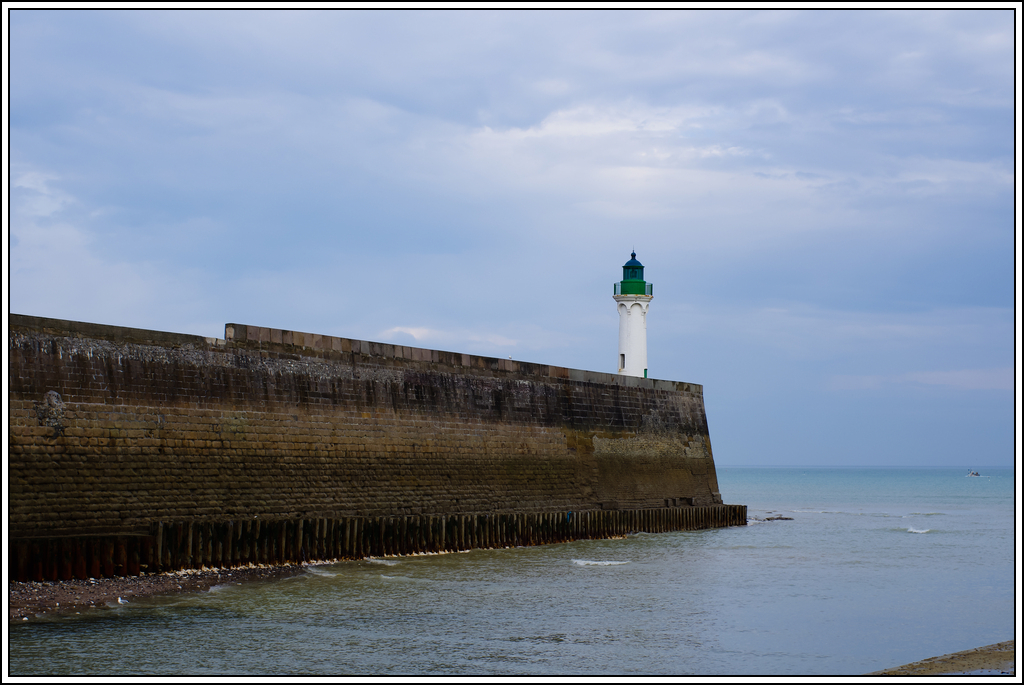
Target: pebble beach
<point>997,659</point>
<point>29,600</point>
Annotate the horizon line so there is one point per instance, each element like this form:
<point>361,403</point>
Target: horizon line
<point>860,466</point>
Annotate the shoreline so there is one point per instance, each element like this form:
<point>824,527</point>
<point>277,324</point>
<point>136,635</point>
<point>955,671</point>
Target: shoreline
<point>997,659</point>
<point>48,599</point>
<point>29,600</point>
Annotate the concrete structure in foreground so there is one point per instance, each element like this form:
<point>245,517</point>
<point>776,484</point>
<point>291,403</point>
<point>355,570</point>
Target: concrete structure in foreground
<point>135,451</point>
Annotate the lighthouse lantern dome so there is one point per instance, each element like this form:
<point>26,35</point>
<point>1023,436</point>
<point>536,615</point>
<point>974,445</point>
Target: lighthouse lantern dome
<point>633,270</point>
<point>633,282</point>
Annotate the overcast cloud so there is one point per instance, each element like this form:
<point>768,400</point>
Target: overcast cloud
<point>823,200</point>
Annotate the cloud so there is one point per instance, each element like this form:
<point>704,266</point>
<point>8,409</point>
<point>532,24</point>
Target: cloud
<point>730,124</point>
<point>814,348</point>
<point>40,200</point>
<point>963,379</point>
<point>822,198</point>
<point>436,337</point>
<point>946,175</point>
<point>57,270</point>
<point>966,379</point>
<point>806,331</point>
<point>60,268</point>
<point>592,120</point>
<point>417,333</point>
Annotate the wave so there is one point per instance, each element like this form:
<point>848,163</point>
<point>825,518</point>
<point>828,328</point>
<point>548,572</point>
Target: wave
<point>915,530</point>
<point>591,562</point>
<point>383,562</point>
<point>320,572</point>
<point>874,514</point>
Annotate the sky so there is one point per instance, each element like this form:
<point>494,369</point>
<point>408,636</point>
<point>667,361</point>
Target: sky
<point>823,200</point>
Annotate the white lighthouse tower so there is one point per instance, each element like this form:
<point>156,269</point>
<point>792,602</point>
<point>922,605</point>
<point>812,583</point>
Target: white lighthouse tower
<point>633,296</point>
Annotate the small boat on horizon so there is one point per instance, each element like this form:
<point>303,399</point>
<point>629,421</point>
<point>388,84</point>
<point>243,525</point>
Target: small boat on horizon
<point>973,474</point>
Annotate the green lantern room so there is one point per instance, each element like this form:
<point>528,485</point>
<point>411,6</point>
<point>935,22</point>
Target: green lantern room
<point>633,282</point>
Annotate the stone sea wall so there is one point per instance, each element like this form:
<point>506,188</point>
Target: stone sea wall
<point>119,433</point>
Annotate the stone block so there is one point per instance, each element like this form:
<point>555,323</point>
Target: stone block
<point>202,437</point>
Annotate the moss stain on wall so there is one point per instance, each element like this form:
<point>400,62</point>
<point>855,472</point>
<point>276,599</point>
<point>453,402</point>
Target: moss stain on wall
<point>115,430</point>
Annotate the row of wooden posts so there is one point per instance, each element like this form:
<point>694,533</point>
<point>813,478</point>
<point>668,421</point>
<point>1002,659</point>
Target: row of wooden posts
<point>226,544</point>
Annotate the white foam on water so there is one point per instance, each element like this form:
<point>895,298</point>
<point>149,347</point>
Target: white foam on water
<point>383,562</point>
<point>915,530</point>
<point>591,562</point>
<point>320,572</point>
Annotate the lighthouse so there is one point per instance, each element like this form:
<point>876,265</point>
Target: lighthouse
<point>633,296</point>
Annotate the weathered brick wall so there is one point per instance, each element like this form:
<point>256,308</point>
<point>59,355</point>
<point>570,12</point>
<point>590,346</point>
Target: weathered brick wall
<point>112,429</point>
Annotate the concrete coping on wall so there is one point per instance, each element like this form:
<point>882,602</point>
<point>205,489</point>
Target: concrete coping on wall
<point>317,345</point>
<point>99,331</point>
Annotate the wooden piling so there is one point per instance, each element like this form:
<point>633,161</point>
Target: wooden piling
<point>191,544</point>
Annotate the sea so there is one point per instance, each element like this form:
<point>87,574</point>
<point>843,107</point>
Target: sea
<point>861,569</point>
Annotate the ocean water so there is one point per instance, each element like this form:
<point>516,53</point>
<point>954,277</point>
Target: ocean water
<point>877,568</point>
